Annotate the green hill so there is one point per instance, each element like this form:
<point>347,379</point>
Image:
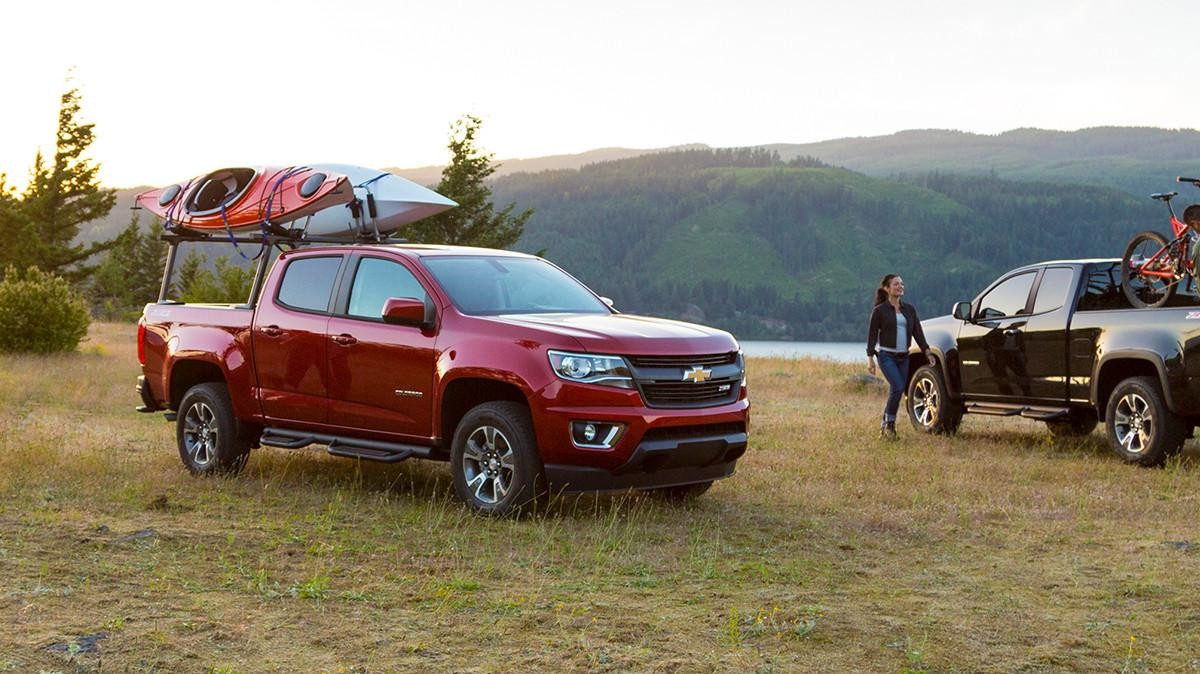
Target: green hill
<point>1138,160</point>
<point>774,249</point>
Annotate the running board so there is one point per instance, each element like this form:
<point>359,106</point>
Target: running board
<point>1027,411</point>
<point>354,448</point>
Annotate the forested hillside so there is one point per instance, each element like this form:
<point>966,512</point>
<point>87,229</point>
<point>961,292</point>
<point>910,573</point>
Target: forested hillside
<point>792,250</point>
<point>779,244</point>
<point>1138,160</point>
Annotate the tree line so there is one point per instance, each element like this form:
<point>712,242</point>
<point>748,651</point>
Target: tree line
<point>771,249</point>
<point>40,225</point>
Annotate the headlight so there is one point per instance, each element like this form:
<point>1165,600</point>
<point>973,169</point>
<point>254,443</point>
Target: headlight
<point>587,368</point>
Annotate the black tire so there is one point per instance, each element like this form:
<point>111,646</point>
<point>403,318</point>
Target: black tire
<point>210,438</point>
<point>682,493</point>
<point>1075,426</point>
<point>1141,291</point>
<point>930,407</point>
<point>1139,427</point>
<point>494,460</point>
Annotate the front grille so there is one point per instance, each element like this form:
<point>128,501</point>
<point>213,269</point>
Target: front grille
<point>700,431</point>
<point>689,394</point>
<point>683,361</point>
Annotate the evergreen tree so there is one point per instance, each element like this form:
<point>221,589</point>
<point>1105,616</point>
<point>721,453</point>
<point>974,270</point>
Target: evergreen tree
<point>224,282</point>
<point>475,222</point>
<point>130,274</point>
<point>61,196</point>
<point>14,228</point>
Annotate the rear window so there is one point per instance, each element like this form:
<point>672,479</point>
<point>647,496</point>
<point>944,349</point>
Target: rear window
<point>1103,289</point>
<point>308,283</point>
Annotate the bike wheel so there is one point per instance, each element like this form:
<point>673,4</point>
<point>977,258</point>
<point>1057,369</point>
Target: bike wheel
<point>1141,290</point>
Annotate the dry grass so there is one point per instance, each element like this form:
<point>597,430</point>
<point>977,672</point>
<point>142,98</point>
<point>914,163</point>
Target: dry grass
<point>996,550</point>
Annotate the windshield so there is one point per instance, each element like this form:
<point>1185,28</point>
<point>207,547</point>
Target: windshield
<point>511,285</point>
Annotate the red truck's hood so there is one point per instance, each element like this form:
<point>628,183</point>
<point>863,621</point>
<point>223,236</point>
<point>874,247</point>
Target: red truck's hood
<point>626,334</point>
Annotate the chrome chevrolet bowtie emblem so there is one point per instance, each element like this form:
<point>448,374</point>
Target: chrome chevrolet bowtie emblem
<point>697,374</point>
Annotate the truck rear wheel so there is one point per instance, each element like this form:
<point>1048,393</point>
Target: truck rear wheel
<point>210,438</point>
<point>930,407</point>
<point>494,460</point>
<point>1139,426</point>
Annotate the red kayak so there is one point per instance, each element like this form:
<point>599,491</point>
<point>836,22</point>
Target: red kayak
<point>239,198</point>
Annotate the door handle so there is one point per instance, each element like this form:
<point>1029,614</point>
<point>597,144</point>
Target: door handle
<point>271,331</point>
<point>344,339</point>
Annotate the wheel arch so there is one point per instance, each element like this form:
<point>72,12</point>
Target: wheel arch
<point>460,394</point>
<point>1117,366</point>
<point>187,373</point>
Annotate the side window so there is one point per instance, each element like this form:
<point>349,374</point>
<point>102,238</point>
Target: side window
<point>308,283</point>
<point>1103,289</point>
<point>1052,293</point>
<point>1008,298</point>
<point>377,280</point>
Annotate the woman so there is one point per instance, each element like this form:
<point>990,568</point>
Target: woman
<point>894,324</point>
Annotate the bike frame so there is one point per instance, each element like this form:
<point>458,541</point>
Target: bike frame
<point>1182,232</point>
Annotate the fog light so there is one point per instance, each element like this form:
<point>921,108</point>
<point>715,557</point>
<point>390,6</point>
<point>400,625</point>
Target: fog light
<point>595,434</point>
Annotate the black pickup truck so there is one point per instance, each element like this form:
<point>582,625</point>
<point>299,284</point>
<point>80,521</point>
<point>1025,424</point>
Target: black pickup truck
<point>1059,342</point>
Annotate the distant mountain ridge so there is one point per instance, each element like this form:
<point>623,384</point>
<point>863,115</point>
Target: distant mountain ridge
<point>431,175</point>
<point>1138,160</point>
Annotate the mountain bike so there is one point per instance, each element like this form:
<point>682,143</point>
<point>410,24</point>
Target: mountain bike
<point>1152,267</point>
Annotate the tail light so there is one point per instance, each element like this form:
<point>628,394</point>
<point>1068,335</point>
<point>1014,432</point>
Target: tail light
<point>141,341</point>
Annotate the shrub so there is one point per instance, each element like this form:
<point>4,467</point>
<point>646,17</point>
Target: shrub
<point>40,312</point>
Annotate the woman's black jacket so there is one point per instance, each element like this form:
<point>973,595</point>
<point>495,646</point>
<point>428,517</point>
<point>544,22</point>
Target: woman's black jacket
<point>883,328</point>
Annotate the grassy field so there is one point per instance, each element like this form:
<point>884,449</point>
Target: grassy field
<point>996,550</point>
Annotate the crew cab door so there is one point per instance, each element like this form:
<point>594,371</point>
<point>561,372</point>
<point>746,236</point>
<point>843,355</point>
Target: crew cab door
<point>289,337</point>
<point>992,345</point>
<point>381,375</point>
<point>1046,340</point>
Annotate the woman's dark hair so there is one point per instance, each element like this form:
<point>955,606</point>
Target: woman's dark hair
<point>881,293</point>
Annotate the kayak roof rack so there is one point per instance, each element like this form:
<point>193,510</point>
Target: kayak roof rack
<point>281,239</point>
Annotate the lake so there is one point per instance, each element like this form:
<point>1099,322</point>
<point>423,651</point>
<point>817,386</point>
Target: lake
<point>842,352</point>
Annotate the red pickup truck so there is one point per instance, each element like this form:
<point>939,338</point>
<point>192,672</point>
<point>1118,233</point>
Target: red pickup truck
<point>526,381</point>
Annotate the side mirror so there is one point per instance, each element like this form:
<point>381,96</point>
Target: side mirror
<point>404,311</point>
<point>608,301</point>
<point>962,311</point>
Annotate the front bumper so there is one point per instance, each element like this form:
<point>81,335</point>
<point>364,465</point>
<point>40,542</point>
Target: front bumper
<point>658,461</point>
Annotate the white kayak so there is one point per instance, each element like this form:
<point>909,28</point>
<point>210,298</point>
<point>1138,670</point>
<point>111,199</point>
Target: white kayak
<point>383,203</point>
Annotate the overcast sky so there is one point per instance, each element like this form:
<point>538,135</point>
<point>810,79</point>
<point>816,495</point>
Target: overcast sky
<point>180,88</point>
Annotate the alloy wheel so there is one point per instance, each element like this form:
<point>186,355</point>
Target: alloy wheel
<point>1133,422</point>
<point>488,464</point>
<point>200,434</point>
<point>925,401</point>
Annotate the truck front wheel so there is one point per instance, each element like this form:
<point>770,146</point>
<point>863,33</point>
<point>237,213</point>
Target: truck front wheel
<point>1138,424</point>
<point>930,407</point>
<point>494,460</point>
<point>210,438</point>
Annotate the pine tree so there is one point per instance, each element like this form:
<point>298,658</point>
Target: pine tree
<point>474,222</point>
<point>14,227</point>
<point>130,274</point>
<point>61,196</point>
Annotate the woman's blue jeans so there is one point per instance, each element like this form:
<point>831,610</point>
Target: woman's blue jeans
<point>894,367</point>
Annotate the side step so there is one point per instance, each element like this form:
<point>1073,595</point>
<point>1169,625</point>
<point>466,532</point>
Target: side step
<point>355,448</point>
<point>1027,411</point>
